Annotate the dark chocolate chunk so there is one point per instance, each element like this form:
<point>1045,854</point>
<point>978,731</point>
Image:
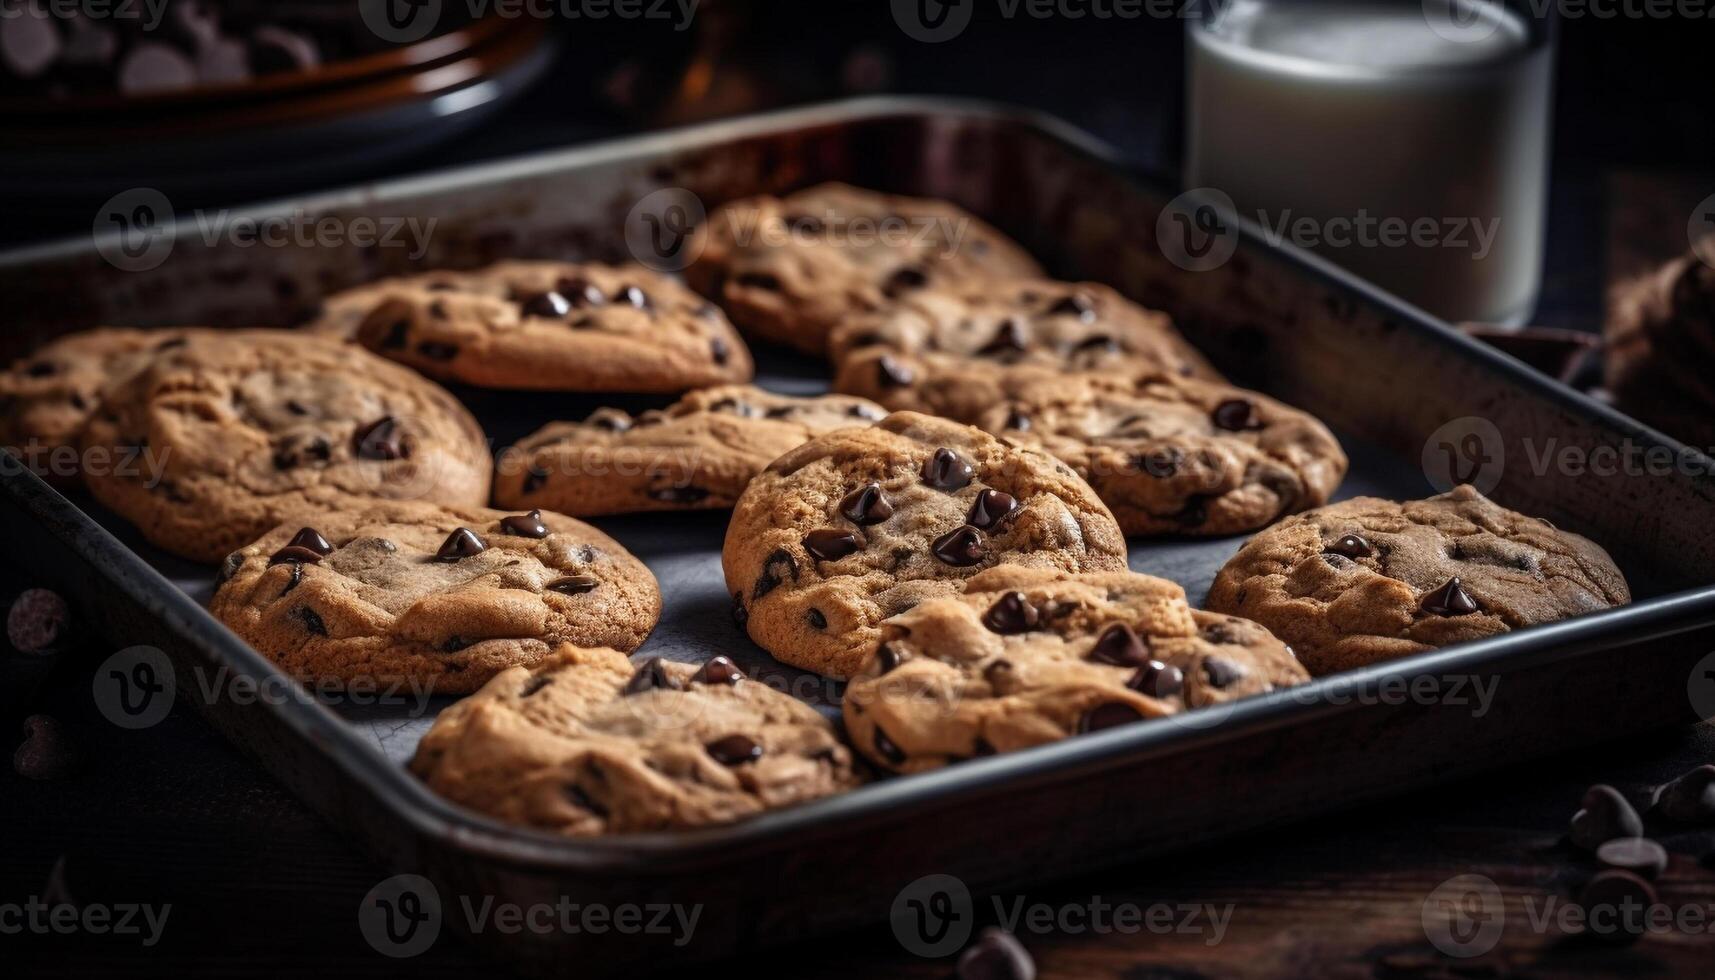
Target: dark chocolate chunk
<point>779,566</point>
<point>947,470</point>
<point>1017,421</point>
<point>312,539</point>
<point>579,291</point>
<point>382,439</point>
<point>633,296</point>
<point>1618,906</point>
<point>1074,304</point>
<point>996,955</point>
<point>462,543</point>
<point>437,351</point>
<point>1158,680</point>
<point>1352,546</point>
<point>652,674</point>
<point>758,280</point>
<point>1161,463</point>
<point>904,279</point>
<point>887,657</point>
<point>892,374</point>
<point>1450,600</point>
<point>1120,646</point>
<point>734,750</point>
<point>1221,672</point>
<point>1639,855</point>
<point>830,543</point>
<point>718,670</point>
<point>817,620</point>
<point>1604,815</point>
<point>549,305</point>
<point>866,505</point>
<point>574,584</point>
<point>525,525</point>
<point>886,748</point>
<point>1012,613</point>
<point>295,554</point>
<point>961,547</point>
<point>311,620</point>
<point>1235,415</point>
<point>1008,338</point>
<point>1690,799</point>
<point>991,509</point>
<point>720,350</point>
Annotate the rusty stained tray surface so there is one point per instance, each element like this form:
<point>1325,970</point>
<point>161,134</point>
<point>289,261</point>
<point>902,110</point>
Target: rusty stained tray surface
<point>1384,376</point>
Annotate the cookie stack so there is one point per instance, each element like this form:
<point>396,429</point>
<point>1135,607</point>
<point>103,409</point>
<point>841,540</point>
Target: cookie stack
<point>948,533</point>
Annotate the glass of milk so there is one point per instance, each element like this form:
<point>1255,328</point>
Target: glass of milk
<point>1404,139</point>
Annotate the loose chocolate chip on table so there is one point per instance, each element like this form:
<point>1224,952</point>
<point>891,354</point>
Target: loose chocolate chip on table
<point>892,374</point>
<point>1110,714</point>
<point>1617,906</point>
<point>1690,799</point>
<point>1158,680</point>
<point>574,584</point>
<point>830,543</point>
<point>525,525</point>
<point>1604,815</point>
<point>309,537</point>
<point>679,495</point>
<point>866,505</point>
<point>718,670</point>
<point>990,509</point>
<point>961,547</point>
<point>1221,672</point>
<point>1076,304</point>
<point>886,748</point>
<point>462,543</point>
<point>817,620</point>
<point>295,554</point>
<point>39,622</point>
<point>652,674</point>
<point>734,750</point>
<point>1352,546</point>
<point>1119,645</point>
<point>779,566</point>
<point>1012,613</point>
<point>48,750</point>
<point>946,470</point>
<point>1235,415</point>
<point>1639,855</point>
<point>1450,600</point>
<point>996,955</point>
<point>1008,337</point>
<point>382,439</point>
<point>549,305</point>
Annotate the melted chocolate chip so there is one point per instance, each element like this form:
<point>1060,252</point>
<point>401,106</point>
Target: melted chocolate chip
<point>866,505</point>
<point>382,439</point>
<point>1109,715</point>
<point>295,554</point>
<point>1008,338</point>
<point>779,566</point>
<point>1158,680</point>
<point>734,750</point>
<point>652,675</point>
<point>718,670</point>
<point>574,584</point>
<point>1012,613</point>
<point>1235,415</point>
<point>1450,600</point>
<point>961,547</point>
<point>817,620</point>
<point>1352,546</point>
<point>886,748</point>
<point>462,543</point>
<point>549,305</point>
<point>830,543</point>
<point>312,539</point>
<point>525,525</point>
<point>311,620</point>
<point>946,470</point>
<point>1120,646</point>
<point>1075,304</point>
<point>1221,672</point>
<point>890,373</point>
<point>991,509</point>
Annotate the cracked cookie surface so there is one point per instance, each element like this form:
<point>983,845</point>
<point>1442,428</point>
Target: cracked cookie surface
<point>439,598</point>
<point>1172,455</point>
<point>229,433</point>
<point>556,326</point>
<point>859,525</point>
<point>1366,580</point>
<point>588,744</point>
<point>1027,656</point>
<point>698,453</point>
<point>791,269</point>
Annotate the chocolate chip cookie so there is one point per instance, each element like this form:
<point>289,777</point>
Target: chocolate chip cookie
<point>1366,580</point>
<point>1025,656</point>
<point>696,454</point>
<point>859,525</point>
<point>1172,455</point>
<point>441,598</point>
<point>221,437</point>
<point>1661,349</point>
<point>553,326</point>
<point>588,744</point>
<point>46,398</point>
<point>791,269</point>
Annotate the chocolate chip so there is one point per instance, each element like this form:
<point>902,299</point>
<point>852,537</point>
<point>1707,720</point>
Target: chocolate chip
<point>1107,715</point>
<point>610,419</point>
<point>1119,645</point>
<point>584,801</point>
<point>996,955</point>
<point>534,479</point>
<point>1617,906</point>
<point>1008,338</point>
<point>961,547</point>
<point>1099,342</point>
<point>579,291</point>
<point>549,305</point>
<point>382,439</point>
<point>652,675</point>
<point>758,280</point>
<point>1450,600</point>
<point>296,555</point>
<point>1221,672</point>
<point>720,350</point>
<point>1690,799</point>
<point>887,657</point>
<point>1074,304</point>
<point>734,750</point>
<point>866,505</point>
<point>525,525</point>
<point>42,369</point>
<point>1012,613</point>
<point>455,643</point>
<point>830,543</point>
<point>1639,855</point>
<point>740,615</point>
<point>886,748</point>
<point>632,296</point>
<point>48,750</point>
<point>38,622</point>
<point>461,544</point>
<point>1158,680</point>
<point>904,279</point>
<point>533,684</point>
<point>298,450</point>
<point>1161,463</point>
<point>817,620</point>
<point>946,470</point>
<point>309,537</point>
<point>679,495</point>
<point>438,351</point>
<point>1017,421</point>
<point>574,584</point>
<point>1605,815</point>
<point>1352,546</point>
<point>991,509</point>
<point>890,373</point>
<point>718,670</point>
<point>1235,415</point>
<point>311,620</point>
<point>779,566</point>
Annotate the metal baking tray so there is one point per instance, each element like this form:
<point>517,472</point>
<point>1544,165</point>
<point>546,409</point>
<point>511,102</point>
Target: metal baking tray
<point>1385,376</point>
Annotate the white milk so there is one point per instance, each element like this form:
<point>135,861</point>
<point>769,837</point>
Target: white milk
<point>1421,159</point>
